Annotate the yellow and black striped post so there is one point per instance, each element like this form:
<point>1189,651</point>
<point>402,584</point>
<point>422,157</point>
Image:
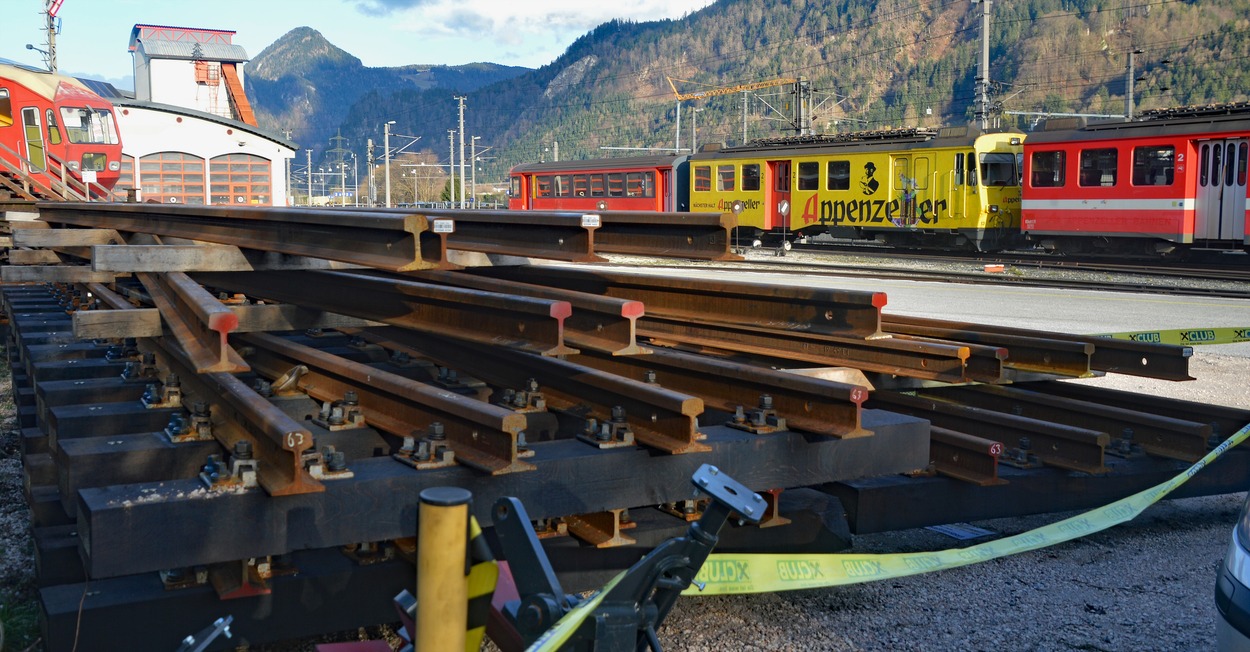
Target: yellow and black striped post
<point>442,586</point>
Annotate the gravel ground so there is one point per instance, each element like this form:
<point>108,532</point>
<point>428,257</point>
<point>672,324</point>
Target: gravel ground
<point>1144,585</point>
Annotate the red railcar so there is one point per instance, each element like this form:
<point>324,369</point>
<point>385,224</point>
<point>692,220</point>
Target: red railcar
<point>645,183</point>
<point>1174,179</point>
<point>53,128</point>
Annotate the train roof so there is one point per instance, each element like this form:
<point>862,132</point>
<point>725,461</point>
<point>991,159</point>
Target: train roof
<point>1159,122</point>
<point>878,140</point>
<point>621,162</point>
<point>43,82</point>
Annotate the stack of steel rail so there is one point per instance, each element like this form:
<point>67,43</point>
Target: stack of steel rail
<point>233,411</point>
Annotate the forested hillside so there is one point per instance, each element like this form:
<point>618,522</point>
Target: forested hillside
<point>871,63</point>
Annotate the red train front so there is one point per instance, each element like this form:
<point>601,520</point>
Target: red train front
<point>647,183</point>
<point>53,127</point>
<point>1172,180</point>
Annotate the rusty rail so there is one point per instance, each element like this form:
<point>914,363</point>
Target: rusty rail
<point>199,322</point>
<point>1161,361</point>
<point>780,308</point>
<point>965,457</point>
<point>483,436</point>
<point>485,317</point>
<point>660,418</point>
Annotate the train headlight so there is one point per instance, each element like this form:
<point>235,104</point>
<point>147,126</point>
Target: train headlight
<point>115,166</point>
<point>73,165</point>
<point>993,208</point>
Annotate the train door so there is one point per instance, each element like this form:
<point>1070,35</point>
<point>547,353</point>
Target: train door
<point>957,189</point>
<point>665,192</point>
<point>777,196</point>
<point>1220,206</point>
<point>34,138</point>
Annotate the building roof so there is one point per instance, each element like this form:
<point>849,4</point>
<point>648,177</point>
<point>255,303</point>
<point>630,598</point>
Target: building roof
<point>201,115</point>
<point>192,51</point>
<point>142,32</point>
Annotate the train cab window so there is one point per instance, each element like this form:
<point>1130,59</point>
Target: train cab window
<point>998,169</point>
<point>1154,166</point>
<point>616,184</point>
<point>1098,167</point>
<point>839,175</point>
<point>1047,169</point>
<point>85,125</point>
<point>751,176</point>
<point>597,188</point>
<point>6,108</point>
<point>515,189</point>
<point>54,134</point>
<point>725,178</point>
<point>702,178</point>
<point>809,175</point>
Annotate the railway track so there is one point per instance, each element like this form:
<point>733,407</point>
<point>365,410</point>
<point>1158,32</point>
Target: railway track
<point>190,452</point>
<point>1196,281</point>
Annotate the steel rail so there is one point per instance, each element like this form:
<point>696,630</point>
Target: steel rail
<point>241,413</point>
<point>781,308</point>
<point>1025,354</point>
<point>1162,361</point>
<point>1066,447</point>
<point>928,361</point>
<point>965,457</point>
<point>701,236</point>
<point>199,322</point>
<point>379,240</point>
<point>484,317</point>
<point>483,436</point>
<point>661,418</point>
<point>1158,435</point>
<point>808,404</point>
<point>597,323</point>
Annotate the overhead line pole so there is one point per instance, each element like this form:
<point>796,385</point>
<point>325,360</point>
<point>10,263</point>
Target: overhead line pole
<point>462,99</point>
<point>983,70</point>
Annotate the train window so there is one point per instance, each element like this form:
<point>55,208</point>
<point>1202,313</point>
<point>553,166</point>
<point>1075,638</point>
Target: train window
<point>597,187</point>
<point>1098,167</point>
<point>648,184</point>
<point>999,169</point>
<point>839,175</point>
<point>6,108</point>
<point>751,176</point>
<point>1216,171</point>
<point>542,186</point>
<point>84,126</point>
<point>1154,166</point>
<point>809,175</point>
<point>702,178</point>
<point>636,184</point>
<point>515,189</point>
<point>959,169</point>
<point>972,168</point>
<point>1230,154</point>
<point>581,184</point>
<point>782,181</point>
<point>616,184</point>
<point>725,178</point>
<point>562,185</point>
<point>1047,169</point>
<point>921,180</point>
<point>54,134</point>
<point>1202,165</point>
<point>902,174</point>
<point>1241,165</point>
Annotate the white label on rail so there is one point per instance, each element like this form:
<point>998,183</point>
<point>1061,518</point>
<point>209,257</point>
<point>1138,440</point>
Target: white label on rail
<point>590,221</point>
<point>444,226</point>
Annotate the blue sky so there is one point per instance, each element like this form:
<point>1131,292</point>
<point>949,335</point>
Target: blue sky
<point>94,33</point>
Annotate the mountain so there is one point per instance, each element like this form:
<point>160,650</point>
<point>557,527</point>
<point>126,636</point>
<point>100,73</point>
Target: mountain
<point>872,64</point>
<point>304,84</point>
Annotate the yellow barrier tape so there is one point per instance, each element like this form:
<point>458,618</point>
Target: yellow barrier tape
<point>553,638</point>
<point>725,574</point>
<point>1186,336</point>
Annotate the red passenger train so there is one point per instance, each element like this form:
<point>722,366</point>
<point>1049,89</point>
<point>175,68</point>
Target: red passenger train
<point>53,127</point>
<point>1166,182</point>
<point>1171,180</point>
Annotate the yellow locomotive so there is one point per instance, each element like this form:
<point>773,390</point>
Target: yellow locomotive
<point>955,187</point>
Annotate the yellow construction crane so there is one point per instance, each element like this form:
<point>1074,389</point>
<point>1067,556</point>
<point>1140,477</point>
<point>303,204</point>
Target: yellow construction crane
<point>726,90</point>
